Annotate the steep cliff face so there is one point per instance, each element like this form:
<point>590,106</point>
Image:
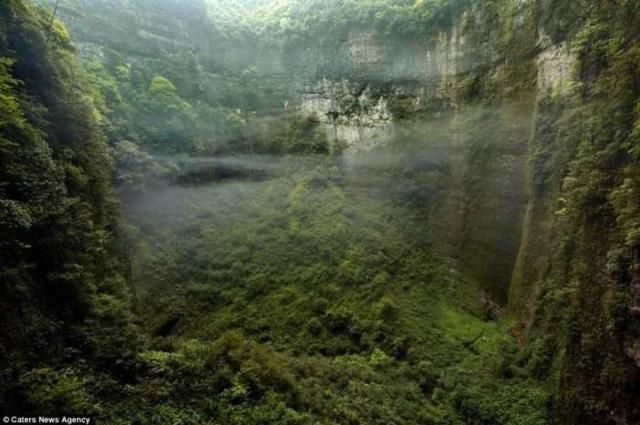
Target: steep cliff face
<point>574,283</point>
<point>348,113</point>
<point>392,91</point>
<point>555,84</point>
<point>59,260</point>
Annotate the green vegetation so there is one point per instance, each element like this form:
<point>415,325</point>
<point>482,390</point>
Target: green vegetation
<point>182,244</point>
<point>585,177</point>
<point>64,303</point>
<point>315,19</point>
<point>306,300</point>
<point>169,116</point>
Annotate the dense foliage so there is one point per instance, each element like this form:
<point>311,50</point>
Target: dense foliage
<point>64,301</point>
<point>314,19</point>
<point>585,176</point>
<point>261,272</point>
<point>308,298</point>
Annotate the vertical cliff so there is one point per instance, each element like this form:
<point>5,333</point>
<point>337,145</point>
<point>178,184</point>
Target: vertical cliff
<point>64,303</point>
<point>574,286</point>
<point>451,96</point>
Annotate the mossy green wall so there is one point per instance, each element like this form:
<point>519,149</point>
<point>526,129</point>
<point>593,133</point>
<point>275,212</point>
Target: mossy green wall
<point>573,284</point>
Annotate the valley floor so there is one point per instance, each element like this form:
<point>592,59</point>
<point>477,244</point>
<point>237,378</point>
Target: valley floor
<point>312,297</point>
